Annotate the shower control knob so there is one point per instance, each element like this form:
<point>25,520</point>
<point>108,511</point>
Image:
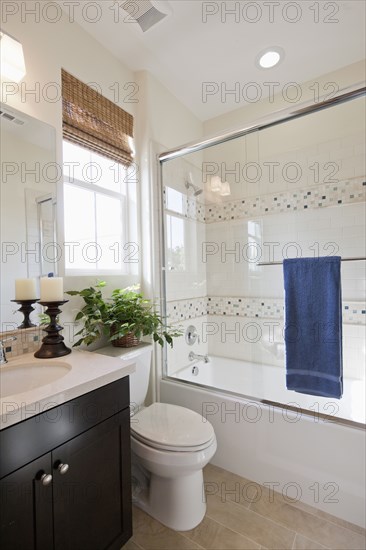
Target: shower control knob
<point>192,335</point>
<point>63,468</point>
<point>46,479</point>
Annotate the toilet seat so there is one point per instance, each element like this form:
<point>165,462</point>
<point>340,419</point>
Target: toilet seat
<point>172,428</point>
<point>172,448</point>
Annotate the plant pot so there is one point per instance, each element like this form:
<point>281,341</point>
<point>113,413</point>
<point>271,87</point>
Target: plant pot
<point>127,341</point>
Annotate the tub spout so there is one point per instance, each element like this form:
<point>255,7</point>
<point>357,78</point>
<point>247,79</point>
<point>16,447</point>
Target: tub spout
<point>192,356</point>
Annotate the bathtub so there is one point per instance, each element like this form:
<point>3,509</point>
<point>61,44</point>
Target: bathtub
<point>309,455</point>
<point>268,383</point>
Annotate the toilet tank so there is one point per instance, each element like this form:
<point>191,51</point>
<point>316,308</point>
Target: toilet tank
<point>139,380</point>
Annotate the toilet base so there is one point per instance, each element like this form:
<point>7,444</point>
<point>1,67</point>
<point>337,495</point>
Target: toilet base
<point>178,503</point>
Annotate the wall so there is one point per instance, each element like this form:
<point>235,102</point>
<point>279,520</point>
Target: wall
<point>159,118</point>
<point>162,123</point>
<point>185,234</point>
<point>311,204</point>
<point>48,47</point>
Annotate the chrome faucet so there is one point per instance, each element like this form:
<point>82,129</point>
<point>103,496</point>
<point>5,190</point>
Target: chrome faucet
<point>192,356</point>
<point>3,358</point>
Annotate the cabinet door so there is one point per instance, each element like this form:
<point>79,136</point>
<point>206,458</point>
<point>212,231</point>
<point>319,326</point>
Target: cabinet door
<point>92,499</point>
<point>26,508</point>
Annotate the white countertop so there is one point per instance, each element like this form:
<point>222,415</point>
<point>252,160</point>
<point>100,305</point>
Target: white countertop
<point>87,372</point>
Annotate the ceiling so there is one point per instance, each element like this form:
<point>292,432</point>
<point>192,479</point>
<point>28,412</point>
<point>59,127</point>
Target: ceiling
<point>190,47</point>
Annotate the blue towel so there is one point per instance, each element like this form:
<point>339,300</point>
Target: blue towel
<point>313,326</point>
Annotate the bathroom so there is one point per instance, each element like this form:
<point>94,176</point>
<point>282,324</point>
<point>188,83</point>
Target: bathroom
<point>284,475</point>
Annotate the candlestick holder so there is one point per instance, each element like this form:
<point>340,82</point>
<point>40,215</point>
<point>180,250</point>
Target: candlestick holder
<point>26,308</point>
<point>52,344</point>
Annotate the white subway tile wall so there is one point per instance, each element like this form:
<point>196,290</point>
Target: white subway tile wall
<point>307,201</point>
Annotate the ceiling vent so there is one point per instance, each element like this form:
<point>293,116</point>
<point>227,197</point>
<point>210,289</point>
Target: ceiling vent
<point>11,118</point>
<point>144,13</point>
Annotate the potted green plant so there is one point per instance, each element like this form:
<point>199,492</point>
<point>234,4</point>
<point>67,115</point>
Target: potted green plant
<point>124,318</point>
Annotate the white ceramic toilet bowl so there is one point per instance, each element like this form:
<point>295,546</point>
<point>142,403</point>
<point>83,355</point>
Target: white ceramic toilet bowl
<point>172,445</point>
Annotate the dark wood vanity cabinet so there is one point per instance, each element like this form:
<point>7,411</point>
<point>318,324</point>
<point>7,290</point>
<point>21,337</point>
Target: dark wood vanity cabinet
<point>84,445</point>
<point>26,508</point>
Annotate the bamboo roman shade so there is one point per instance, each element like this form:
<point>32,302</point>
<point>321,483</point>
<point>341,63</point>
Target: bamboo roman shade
<point>94,122</point>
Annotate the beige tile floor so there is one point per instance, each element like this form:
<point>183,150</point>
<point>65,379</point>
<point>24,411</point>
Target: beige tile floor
<point>244,515</point>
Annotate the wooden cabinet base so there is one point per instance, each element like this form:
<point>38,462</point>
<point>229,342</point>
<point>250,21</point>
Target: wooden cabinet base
<point>86,504</point>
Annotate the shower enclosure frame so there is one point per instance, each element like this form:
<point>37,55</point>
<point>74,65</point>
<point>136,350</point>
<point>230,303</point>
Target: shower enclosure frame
<point>348,94</point>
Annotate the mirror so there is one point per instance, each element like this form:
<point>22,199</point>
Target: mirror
<point>28,205</point>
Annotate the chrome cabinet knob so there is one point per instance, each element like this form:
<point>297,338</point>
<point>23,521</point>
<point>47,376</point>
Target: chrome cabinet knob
<point>46,479</point>
<point>63,468</point>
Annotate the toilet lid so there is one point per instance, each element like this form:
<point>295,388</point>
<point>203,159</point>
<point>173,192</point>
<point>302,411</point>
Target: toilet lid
<point>171,426</point>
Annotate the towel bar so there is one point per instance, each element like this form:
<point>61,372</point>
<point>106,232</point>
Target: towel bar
<point>355,259</point>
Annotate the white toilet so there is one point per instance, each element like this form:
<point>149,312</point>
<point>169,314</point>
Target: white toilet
<point>170,446</point>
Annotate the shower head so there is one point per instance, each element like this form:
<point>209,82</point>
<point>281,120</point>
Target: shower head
<point>196,190</point>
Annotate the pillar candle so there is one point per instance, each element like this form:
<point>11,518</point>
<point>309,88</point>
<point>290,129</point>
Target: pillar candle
<point>52,289</point>
<point>25,289</point>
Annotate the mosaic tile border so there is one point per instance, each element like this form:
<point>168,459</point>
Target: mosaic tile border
<point>27,341</point>
<point>354,313</point>
<point>182,310</point>
<point>320,196</point>
<point>268,308</point>
<point>245,307</point>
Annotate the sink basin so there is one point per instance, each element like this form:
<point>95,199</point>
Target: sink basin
<point>24,377</point>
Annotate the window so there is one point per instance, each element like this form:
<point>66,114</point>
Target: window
<point>96,214</point>
<point>174,200</point>
<point>175,243</point>
<point>99,182</point>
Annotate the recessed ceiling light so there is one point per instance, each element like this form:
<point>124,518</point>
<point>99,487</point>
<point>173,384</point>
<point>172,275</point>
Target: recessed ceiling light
<point>269,58</point>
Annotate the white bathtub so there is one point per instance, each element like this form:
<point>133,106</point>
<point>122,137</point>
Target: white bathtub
<point>307,457</point>
<point>268,383</point>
